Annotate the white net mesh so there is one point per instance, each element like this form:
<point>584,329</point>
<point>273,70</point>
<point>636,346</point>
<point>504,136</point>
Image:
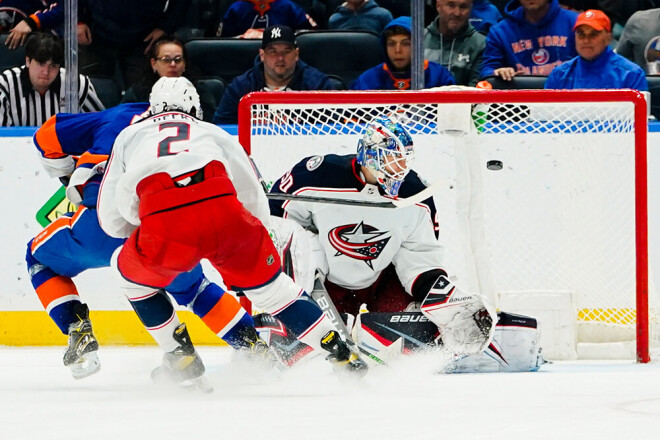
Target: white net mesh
<point>558,215</point>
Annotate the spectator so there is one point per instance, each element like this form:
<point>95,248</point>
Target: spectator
<point>247,18</point>
<point>168,57</point>
<point>21,17</point>
<point>596,66</point>
<point>118,32</point>
<point>620,11</point>
<point>653,56</point>
<point>484,15</point>
<point>394,74</point>
<point>532,39</point>
<point>279,69</point>
<point>452,41</point>
<point>360,15</point>
<point>635,40</point>
<point>317,10</point>
<point>32,93</point>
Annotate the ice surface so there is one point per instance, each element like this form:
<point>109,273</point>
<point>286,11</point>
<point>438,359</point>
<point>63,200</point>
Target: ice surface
<point>581,400</point>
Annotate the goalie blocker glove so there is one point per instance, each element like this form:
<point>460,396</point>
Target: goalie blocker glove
<point>466,321</point>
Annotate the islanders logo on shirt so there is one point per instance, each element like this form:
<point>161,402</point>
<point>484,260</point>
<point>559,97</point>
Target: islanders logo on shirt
<point>540,56</point>
<point>358,241</point>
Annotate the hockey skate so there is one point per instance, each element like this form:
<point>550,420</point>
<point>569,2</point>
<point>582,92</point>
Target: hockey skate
<point>288,349</point>
<point>182,365</point>
<point>341,356</point>
<point>81,354</point>
<point>256,350</point>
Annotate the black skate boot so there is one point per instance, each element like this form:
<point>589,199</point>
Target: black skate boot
<point>81,354</point>
<point>341,355</point>
<point>182,365</point>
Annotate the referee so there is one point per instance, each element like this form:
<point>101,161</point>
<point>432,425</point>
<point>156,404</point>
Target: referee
<point>32,93</point>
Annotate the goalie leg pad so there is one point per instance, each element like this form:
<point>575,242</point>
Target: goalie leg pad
<point>515,348</point>
<point>465,320</point>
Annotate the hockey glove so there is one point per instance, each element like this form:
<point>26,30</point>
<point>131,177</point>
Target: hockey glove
<point>465,320</point>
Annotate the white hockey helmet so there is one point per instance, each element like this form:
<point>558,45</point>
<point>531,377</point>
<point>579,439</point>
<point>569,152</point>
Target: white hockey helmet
<point>386,149</point>
<point>177,94</point>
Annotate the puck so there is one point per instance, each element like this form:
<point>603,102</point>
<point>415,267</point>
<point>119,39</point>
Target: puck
<point>494,165</point>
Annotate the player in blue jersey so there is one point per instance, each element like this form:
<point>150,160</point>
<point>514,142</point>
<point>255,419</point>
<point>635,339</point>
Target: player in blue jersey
<point>74,148</point>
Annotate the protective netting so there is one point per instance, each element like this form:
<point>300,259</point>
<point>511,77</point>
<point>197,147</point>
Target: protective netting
<point>558,216</point>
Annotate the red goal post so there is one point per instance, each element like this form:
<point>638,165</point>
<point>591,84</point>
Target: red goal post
<point>571,151</point>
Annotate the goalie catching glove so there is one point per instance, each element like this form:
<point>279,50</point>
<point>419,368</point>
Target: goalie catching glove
<point>465,320</point>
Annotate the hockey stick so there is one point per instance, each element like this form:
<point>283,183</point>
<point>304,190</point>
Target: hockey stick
<point>392,203</point>
<point>322,298</point>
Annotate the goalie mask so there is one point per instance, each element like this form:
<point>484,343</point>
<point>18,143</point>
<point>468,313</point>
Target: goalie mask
<point>386,149</point>
<point>174,94</point>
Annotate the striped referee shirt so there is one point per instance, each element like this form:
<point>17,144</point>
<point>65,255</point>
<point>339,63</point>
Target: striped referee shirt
<point>21,105</point>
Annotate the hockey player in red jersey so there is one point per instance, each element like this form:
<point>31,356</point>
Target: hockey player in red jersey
<point>75,147</point>
<point>390,260</point>
<point>182,190</point>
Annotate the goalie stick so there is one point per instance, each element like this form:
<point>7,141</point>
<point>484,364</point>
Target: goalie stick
<point>291,350</point>
<point>322,298</point>
<point>424,194</point>
<point>392,203</point>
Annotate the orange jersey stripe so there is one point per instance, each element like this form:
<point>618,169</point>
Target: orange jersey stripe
<point>46,138</point>
<point>51,229</point>
<point>93,159</point>
<point>54,289</point>
<point>222,313</point>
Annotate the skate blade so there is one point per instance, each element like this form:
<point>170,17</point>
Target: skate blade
<point>87,365</point>
<point>160,376</point>
<point>200,384</point>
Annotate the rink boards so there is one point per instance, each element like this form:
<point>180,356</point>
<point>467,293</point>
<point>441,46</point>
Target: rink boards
<point>26,187</point>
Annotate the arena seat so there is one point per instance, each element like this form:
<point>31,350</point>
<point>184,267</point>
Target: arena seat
<point>210,92</point>
<point>107,90</point>
<point>337,82</point>
<point>10,58</point>
<point>345,54</point>
<point>225,58</point>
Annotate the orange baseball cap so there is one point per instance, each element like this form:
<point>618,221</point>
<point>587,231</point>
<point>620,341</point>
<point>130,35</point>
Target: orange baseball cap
<point>594,18</point>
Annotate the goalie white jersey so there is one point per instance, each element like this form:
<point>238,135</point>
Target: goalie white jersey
<point>176,144</point>
<point>360,242</point>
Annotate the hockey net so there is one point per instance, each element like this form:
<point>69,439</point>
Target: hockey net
<point>566,212</point>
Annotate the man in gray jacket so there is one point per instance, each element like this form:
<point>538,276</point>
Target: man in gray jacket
<point>451,41</point>
<point>640,29</point>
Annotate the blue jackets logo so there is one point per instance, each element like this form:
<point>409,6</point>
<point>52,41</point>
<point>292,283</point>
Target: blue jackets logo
<point>361,242</point>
